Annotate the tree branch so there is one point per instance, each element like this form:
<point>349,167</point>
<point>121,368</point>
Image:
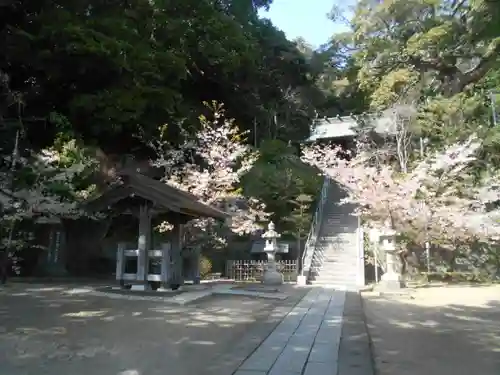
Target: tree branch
<point>486,63</point>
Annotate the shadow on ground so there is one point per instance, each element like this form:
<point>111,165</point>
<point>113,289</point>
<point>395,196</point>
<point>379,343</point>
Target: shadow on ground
<point>446,331</point>
<point>46,330</point>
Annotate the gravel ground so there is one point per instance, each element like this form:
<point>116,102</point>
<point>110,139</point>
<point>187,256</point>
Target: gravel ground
<point>44,330</point>
<point>438,331</point>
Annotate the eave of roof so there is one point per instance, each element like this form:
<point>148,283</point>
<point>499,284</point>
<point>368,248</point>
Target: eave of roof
<point>161,194</point>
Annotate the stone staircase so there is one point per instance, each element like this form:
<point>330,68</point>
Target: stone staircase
<point>336,258</point>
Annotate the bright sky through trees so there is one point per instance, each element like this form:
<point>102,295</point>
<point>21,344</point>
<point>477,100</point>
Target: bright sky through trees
<point>305,19</point>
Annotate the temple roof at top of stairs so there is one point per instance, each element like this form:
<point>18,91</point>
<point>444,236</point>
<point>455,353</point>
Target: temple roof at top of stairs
<point>163,196</point>
<point>348,126</point>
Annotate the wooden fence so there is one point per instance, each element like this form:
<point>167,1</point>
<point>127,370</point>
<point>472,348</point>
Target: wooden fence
<point>252,270</point>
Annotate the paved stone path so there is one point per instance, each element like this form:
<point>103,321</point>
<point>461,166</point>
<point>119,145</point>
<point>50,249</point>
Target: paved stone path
<point>46,330</point>
<point>355,353</point>
<point>305,342</point>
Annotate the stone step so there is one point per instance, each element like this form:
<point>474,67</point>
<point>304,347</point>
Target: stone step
<point>335,281</point>
<point>334,245</point>
<point>336,271</point>
<point>343,259</point>
<point>338,255</point>
<point>339,285</point>
<point>334,266</point>
<point>336,259</point>
<point>336,263</point>
<point>333,273</point>
<point>343,219</point>
<point>348,237</point>
<point>333,251</point>
<point>338,277</point>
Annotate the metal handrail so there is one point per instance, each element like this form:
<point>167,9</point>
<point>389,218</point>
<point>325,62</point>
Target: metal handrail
<point>312,237</point>
<point>379,261</point>
<point>360,243</point>
<point>380,257</point>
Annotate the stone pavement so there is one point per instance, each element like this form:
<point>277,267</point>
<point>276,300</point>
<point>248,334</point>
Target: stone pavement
<point>439,330</point>
<point>310,338</point>
<point>190,294</point>
<point>68,329</point>
<point>52,329</point>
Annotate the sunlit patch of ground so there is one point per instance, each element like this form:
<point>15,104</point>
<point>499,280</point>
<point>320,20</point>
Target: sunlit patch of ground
<point>443,330</point>
<point>45,330</point>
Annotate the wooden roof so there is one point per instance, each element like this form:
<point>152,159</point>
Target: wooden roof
<point>163,196</point>
<point>348,127</point>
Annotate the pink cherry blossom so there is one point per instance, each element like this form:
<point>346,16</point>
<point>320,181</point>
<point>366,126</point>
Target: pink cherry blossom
<point>437,198</point>
<point>225,158</point>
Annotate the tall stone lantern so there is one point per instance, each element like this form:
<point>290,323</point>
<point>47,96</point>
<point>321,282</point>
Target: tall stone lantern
<point>392,278</point>
<point>271,274</point>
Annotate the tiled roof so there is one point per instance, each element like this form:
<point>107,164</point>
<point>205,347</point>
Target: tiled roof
<point>347,126</point>
<point>164,196</point>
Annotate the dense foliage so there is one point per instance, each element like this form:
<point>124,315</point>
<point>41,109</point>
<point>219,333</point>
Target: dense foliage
<point>88,82</point>
<point>107,70</point>
<point>86,85</point>
<point>430,68</point>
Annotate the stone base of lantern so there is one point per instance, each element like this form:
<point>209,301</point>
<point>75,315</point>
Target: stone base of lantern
<point>392,281</point>
<point>141,287</point>
<point>272,277</point>
<point>301,280</point>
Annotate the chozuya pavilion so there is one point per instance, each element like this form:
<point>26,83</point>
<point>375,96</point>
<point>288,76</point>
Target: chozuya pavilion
<point>146,199</point>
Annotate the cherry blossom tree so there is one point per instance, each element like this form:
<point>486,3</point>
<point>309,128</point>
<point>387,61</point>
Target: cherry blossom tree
<point>438,197</point>
<point>210,166</point>
<point>49,183</point>
<point>53,190</point>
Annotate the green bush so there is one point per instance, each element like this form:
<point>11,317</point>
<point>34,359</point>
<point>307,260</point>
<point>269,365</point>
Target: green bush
<point>457,277</point>
<point>205,266</point>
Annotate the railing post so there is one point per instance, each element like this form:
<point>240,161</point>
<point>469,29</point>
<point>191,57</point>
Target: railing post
<point>361,254</point>
<point>165,264</point>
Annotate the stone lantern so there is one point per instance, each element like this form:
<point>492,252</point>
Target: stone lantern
<point>391,279</point>
<point>271,274</point>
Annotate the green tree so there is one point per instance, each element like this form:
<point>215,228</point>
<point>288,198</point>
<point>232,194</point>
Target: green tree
<point>300,218</point>
<point>277,178</point>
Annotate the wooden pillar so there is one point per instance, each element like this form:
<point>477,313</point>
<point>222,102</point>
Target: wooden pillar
<point>165,264</point>
<point>195,265</point>
<point>144,243</point>
<point>120,263</point>
<point>176,277</point>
